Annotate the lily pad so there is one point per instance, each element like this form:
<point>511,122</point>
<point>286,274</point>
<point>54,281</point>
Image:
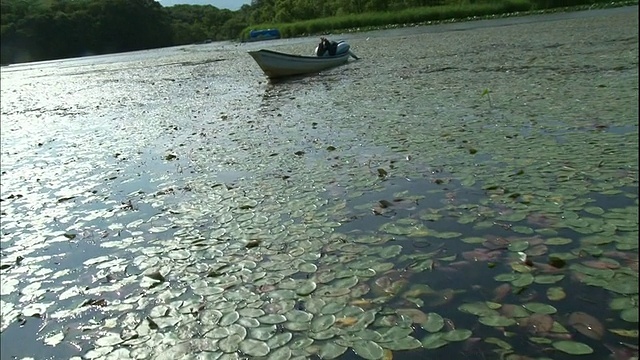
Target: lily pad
<point>434,341</point>
<point>556,293</point>
<point>253,347</point>
<point>368,350</point>
<point>306,287</point>
<point>457,334</point>
<point>434,323</point>
<point>630,315</point>
<point>496,321</point>
<point>548,279</point>
<point>331,350</point>
<point>572,347</point>
<point>540,308</point>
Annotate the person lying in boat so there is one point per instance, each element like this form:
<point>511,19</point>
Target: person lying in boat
<point>326,46</point>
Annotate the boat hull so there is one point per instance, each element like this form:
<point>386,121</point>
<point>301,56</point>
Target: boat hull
<point>277,65</point>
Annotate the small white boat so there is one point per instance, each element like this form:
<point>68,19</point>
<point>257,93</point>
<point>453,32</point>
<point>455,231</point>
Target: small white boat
<point>277,65</point>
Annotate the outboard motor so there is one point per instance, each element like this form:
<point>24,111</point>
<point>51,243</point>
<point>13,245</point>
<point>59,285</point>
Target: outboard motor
<point>342,47</point>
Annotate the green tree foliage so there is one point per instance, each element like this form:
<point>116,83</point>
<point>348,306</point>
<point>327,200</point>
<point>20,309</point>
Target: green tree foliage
<point>48,29</point>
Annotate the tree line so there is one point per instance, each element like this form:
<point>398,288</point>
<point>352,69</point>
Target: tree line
<point>33,30</point>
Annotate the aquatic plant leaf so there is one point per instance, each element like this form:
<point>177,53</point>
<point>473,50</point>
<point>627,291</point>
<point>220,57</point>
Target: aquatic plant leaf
<point>506,277</point>
<point>279,340</point>
<point>558,328</point>
<point>55,339</point>
<point>457,334</point>
<point>229,318</point>
<point>556,293</point>
<point>405,343</point>
<point>248,322</point>
<point>501,343</point>
<point>572,347</point>
<point>434,341</point>
<point>395,333</point>
<point>548,279</point>
<point>513,311</point>
<point>231,343</point>
<point>540,308</point>
<point>253,347</point>
<point>625,332</point>
<point>519,245</point>
<point>630,315</point>
<point>417,316</point>
<point>322,322</point>
<point>626,285</point>
<point>540,340</point>
<point>331,350</point>
<point>306,288</point>
<point>478,308</point>
<point>595,210</point>
<point>260,333</point>
<point>368,350</point>
<point>523,280</point>
<point>272,319</point>
<point>109,340</point>
<point>434,323</point>
<point>390,251</point>
<point>496,321</point>
<point>622,303</point>
<point>283,353</point>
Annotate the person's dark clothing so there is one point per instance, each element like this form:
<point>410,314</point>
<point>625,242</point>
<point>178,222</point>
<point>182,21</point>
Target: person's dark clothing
<point>326,45</point>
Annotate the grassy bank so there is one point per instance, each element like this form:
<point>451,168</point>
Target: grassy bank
<point>430,15</point>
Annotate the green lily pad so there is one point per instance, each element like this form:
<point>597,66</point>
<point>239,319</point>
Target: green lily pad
<point>368,350</point>
<point>434,341</point>
<point>622,285</point>
<point>478,308</point>
<point>625,333</point>
<point>501,343</point>
<point>434,323</point>
<point>260,333</point>
<point>556,293</point>
<point>331,350</point>
<point>523,280</point>
<point>623,303</point>
<point>253,347</point>
<point>322,322</point>
<point>229,318</point>
<point>230,344</point>
<point>279,340</point>
<point>272,319</point>
<point>540,308</point>
<point>540,340</point>
<point>572,347</point>
<point>306,287</point>
<point>457,335</point>
<point>283,353</point>
<point>406,343</point>
<point>548,279</point>
<point>630,315</point>
<point>496,321</point>
<point>519,245</point>
<point>595,210</point>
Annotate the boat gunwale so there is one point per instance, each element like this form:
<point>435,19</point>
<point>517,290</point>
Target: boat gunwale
<point>299,56</point>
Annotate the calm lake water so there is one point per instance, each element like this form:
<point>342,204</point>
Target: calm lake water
<point>467,190</point>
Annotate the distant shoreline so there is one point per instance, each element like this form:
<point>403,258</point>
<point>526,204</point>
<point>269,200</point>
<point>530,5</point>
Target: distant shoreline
<point>372,21</point>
